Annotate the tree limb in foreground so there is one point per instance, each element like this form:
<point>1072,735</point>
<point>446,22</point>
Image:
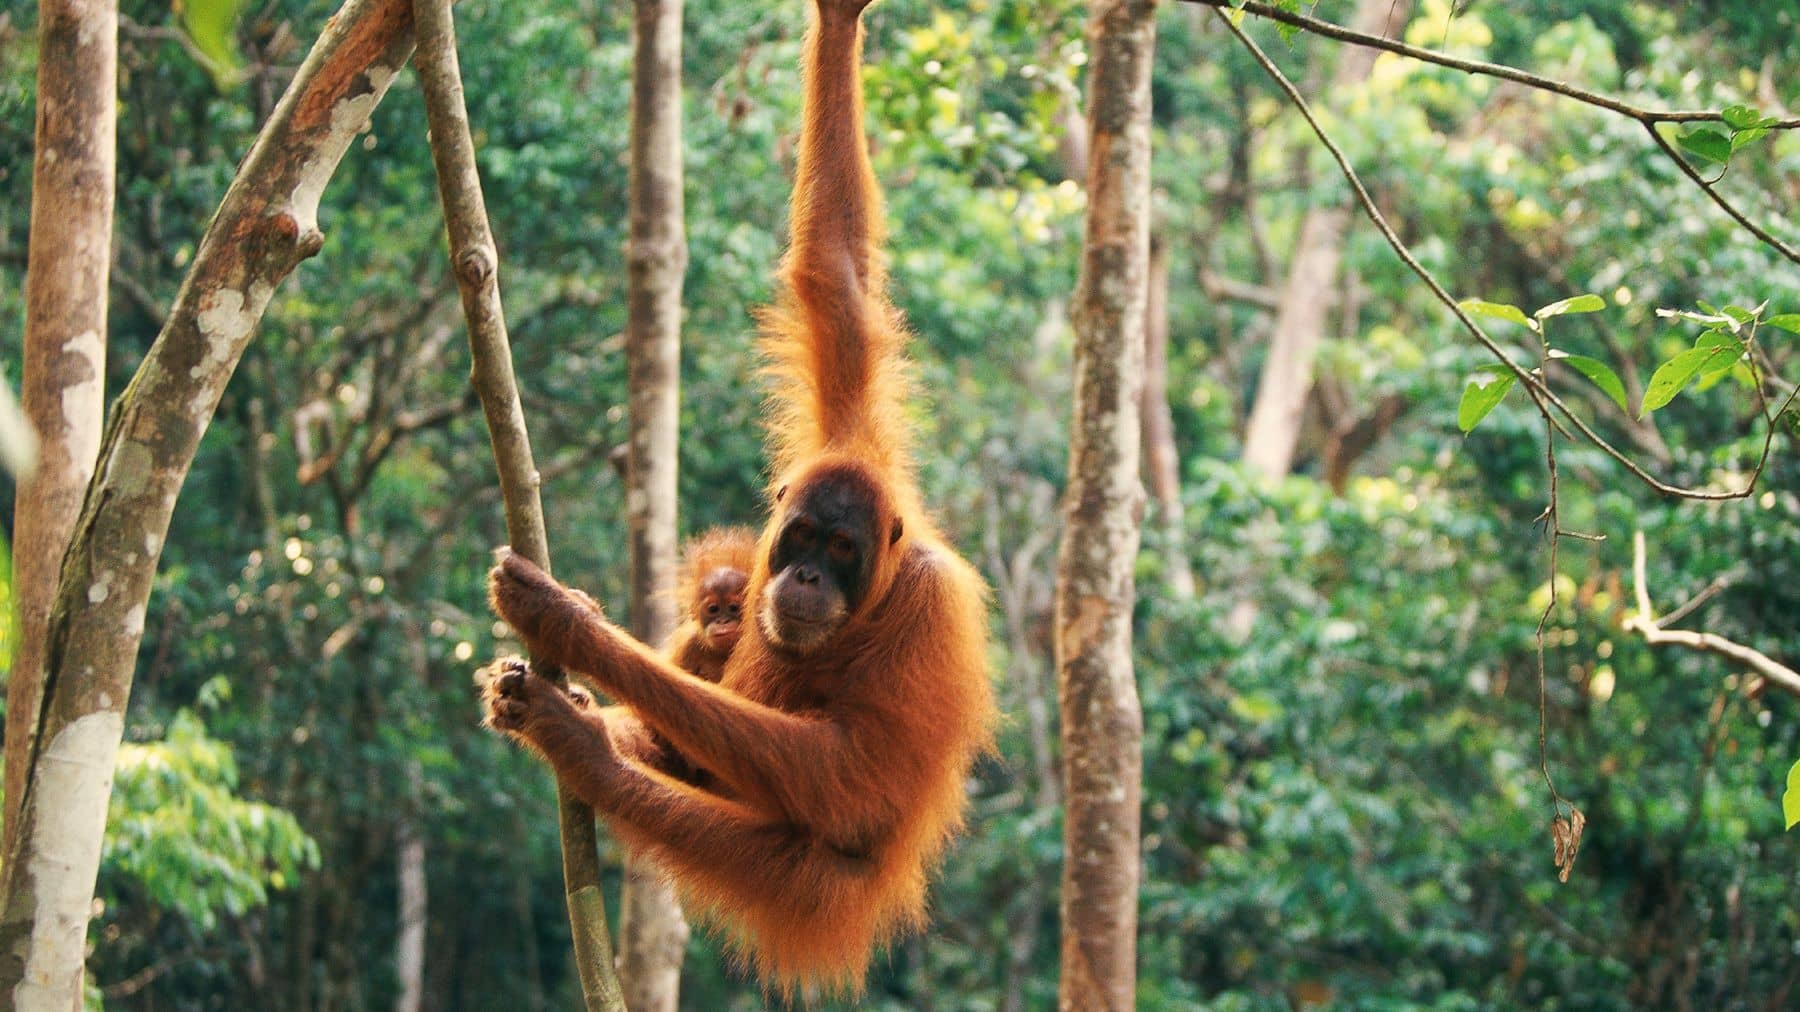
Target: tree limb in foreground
<point>475,261</point>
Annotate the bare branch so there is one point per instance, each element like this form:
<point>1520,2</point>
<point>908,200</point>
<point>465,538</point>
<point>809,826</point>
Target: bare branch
<point>1645,624</point>
<point>475,261</point>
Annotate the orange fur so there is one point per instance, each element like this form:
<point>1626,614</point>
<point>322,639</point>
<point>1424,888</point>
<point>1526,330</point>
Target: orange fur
<point>705,560</point>
<point>835,775</point>
<point>716,548</point>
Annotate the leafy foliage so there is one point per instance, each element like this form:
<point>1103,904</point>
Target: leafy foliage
<point>1790,798</point>
<point>179,832</point>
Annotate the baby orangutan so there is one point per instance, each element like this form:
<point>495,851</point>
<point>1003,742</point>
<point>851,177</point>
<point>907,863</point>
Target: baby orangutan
<point>715,572</point>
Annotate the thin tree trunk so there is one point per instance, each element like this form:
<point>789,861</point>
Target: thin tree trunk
<point>409,956</point>
<point>62,384</point>
<point>652,934</point>
<point>1161,460</point>
<point>1023,594</point>
<point>1102,724</point>
<point>266,224</point>
<point>1273,432</point>
<point>477,266</point>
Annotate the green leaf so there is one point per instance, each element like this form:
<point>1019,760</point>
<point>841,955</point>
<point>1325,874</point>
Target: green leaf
<point>1484,393</point>
<point>211,24</point>
<point>1255,707</point>
<point>1674,375</point>
<point>1499,311</point>
<point>1790,799</point>
<point>1789,322</point>
<point>1706,144</point>
<point>1742,117</point>
<point>1728,351</point>
<point>1575,304</point>
<point>1741,139</point>
<point>1597,371</point>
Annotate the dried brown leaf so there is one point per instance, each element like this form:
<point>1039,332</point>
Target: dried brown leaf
<point>1565,835</point>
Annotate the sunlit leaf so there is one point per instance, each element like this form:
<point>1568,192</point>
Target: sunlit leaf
<point>1789,322</point>
<point>212,25</point>
<point>1706,144</point>
<point>1484,392</point>
<point>1729,350</point>
<point>1742,139</point>
<point>1790,798</point>
<point>1255,707</point>
<point>1674,375</point>
<point>1499,311</point>
<point>1574,304</point>
<point>1599,372</point>
<point>1742,117</point>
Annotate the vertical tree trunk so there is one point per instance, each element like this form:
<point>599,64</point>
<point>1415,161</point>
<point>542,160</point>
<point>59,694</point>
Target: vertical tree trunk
<point>1101,721</point>
<point>409,954</point>
<point>1273,431</point>
<point>264,227</point>
<point>70,254</point>
<point>652,934</point>
<point>1161,461</point>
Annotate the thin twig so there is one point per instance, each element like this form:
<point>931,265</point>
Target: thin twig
<point>1718,198</point>
<point>1331,30</point>
<point>1648,117</point>
<point>1543,677</point>
<point>1707,593</point>
<point>1533,385</point>
<point>475,261</point>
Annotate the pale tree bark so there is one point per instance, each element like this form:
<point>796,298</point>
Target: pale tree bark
<point>1162,462</point>
<point>409,949</point>
<point>476,262</point>
<point>266,224</point>
<point>62,383</point>
<point>1102,725</point>
<point>1273,432</point>
<point>409,862</point>
<point>652,934</point>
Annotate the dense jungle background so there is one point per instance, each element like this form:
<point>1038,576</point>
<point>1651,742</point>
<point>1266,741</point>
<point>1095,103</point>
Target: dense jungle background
<point>1343,796</point>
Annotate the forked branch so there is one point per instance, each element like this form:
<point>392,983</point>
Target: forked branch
<point>1645,624</point>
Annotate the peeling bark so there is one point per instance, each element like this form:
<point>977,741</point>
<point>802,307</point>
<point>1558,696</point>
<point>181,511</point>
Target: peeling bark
<point>1102,723</point>
<point>652,934</point>
<point>266,225</point>
<point>61,388</point>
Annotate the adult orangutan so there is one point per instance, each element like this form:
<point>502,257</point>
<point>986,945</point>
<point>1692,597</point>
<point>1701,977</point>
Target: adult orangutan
<point>841,734</point>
